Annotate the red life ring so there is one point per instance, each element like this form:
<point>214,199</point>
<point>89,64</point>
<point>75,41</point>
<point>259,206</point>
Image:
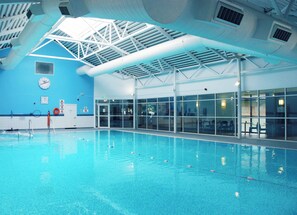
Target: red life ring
<point>56,111</point>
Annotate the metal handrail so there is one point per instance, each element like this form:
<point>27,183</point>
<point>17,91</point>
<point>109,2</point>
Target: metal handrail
<point>52,123</point>
<point>31,131</point>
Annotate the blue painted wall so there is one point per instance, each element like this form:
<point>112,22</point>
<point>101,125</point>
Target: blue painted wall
<point>20,93</point>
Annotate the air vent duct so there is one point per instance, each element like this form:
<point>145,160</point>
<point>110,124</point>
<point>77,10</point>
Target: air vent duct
<point>35,13</point>
<point>73,8</point>
<point>29,14</point>
<point>64,9</point>
<point>280,33</point>
<point>229,14</point>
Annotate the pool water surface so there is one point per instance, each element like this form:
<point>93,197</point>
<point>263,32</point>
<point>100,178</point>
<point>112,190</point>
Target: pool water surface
<point>116,172</point>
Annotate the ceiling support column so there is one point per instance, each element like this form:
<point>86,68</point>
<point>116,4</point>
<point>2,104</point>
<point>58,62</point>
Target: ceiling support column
<point>135,109</point>
<point>239,84</point>
<point>174,100</point>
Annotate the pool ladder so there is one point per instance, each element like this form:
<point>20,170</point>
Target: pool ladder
<point>52,123</point>
<point>30,130</point>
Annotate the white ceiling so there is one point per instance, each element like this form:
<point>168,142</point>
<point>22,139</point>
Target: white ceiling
<point>96,41</point>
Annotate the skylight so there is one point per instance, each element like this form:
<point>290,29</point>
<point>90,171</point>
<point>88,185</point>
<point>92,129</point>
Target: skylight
<point>80,28</point>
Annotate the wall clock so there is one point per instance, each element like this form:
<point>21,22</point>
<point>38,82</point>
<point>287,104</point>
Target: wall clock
<point>44,83</point>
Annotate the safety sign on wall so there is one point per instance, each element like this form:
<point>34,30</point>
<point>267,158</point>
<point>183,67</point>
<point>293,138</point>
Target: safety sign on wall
<point>62,106</point>
<point>85,110</point>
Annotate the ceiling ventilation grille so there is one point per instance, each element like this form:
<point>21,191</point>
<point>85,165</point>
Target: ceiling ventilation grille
<point>229,14</point>
<point>44,68</point>
<point>280,33</point>
<point>64,9</point>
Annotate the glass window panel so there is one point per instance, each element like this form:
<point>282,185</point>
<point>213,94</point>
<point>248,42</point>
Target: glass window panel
<point>190,124</point>
<point>163,123</point>
<point>225,107</point>
<point>103,121</point>
<point>262,125</point>
<point>141,101</point>
<point>171,109</point>
<point>152,122</point>
<point>206,108</point>
<point>165,99</point>
<point>275,107</point>
<point>179,98</point>
<point>128,109</point>
<point>171,99</point>
<point>103,110</point>
<point>142,122</point>
<point>292,91</point>
<point>226,126</point>
<point>275,128</point>
<point>152,109</point>
<point>142,109</point>
<point>271,92</point>
<point>115,109</point>
<point>116,121</point>
<point>115,101</point>
<point>163,109</point>
<point>179,108</point>
<point>179,124</point>
<point>190,98</point>
<point>207,125</point>
<point>128,122</point>
<point>171,124</point>
<point>190,108</point>
<point>249,107</point>
<point>262,107</point>
<point>292,106</point>
<point>152,100</point>
<point>292,129</point>
<point>249,125</point>
<point>103,101</point>
<point>129,101</point>
<point>225,96</point>
<point>249,94</point>
<point>206,97</point>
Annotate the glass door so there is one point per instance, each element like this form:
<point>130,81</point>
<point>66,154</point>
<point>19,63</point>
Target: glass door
<point>103,116</point>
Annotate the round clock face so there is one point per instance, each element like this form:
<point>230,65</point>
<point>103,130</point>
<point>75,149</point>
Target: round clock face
<point>44,83</point>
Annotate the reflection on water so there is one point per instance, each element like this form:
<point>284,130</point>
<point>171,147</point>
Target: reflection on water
<point>128,173</point>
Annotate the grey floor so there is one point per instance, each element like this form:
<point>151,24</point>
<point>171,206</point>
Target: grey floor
<point>246,139</point>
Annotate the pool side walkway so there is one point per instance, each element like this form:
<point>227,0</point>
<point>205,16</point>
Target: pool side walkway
<point>246,140</point>
<point>224,139</point>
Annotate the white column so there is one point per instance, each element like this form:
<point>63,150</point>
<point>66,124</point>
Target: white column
<point>285,105</point>
<point>239,99</point>
<point>135,111</point>
<point>174,100</point>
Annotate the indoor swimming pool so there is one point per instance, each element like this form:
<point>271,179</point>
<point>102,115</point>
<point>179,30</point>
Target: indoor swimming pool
<point>120,172</point>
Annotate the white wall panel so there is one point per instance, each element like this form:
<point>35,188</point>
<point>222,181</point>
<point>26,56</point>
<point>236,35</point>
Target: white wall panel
<point>107,86</point>
<point>22,122</point>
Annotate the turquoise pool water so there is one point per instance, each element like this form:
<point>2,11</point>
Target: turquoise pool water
<point>114,172</point>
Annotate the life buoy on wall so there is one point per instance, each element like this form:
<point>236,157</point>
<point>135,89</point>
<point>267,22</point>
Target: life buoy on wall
<point>56,111</point>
